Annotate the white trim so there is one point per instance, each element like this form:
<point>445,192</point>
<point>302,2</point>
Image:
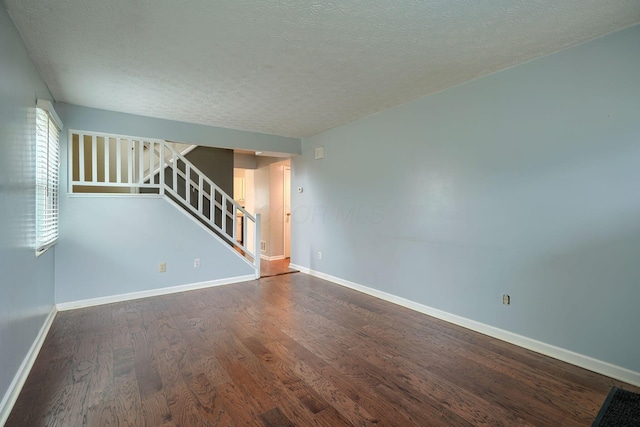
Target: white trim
<point>581,360</point>
<point>151,293</point>
<point>272,258</point>
<point>188,149</point>
<point>165,164</point>
<point>48,106</point>
<point>19,379</point>
<point>45,248</point>
<point>69,162</point>
<point>304,270</point>
<point>115,135</point>
<point>112,195</point>
<point>136,185</point>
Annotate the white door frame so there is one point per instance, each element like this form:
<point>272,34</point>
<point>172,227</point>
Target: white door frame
<point>287,210</point>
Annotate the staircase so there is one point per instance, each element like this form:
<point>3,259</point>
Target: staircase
<point>138,167</point>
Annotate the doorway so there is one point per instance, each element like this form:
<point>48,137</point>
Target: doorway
<point>272,196</point>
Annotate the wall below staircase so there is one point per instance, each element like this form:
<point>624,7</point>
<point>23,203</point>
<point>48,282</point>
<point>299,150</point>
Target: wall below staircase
<point>113,245</point>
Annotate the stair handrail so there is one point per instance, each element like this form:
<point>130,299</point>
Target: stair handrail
<point>192,183</point>
<point>208,181</point>
<point>150,173</point>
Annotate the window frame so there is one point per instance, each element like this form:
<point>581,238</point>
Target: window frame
<point>47,176</point>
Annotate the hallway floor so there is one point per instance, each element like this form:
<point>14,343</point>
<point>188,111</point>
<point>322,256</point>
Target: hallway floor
<point>275,268</point>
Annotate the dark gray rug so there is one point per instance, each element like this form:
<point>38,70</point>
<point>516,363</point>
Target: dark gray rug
<point>620,409</point>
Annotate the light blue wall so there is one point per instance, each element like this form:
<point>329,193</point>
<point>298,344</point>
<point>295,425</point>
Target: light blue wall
<point>114,245</point>
<point>90,119</point>
<point>525,182</point>
<point>26,282</point>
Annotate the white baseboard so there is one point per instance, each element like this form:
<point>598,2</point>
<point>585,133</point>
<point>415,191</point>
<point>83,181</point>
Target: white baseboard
<point>587,362</point>
<point>272,258</point>
<point>10,397</point>
<point>151,293</point>
<point>304,270</point>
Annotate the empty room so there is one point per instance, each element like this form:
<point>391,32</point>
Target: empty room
<point>319,213</point>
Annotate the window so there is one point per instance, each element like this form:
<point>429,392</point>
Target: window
<point>48,127</point>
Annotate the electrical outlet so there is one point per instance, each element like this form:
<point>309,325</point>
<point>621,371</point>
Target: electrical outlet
<point>196,263</point>
<point>162,268</point>
<point>319,255</point>
<point>506,299</point>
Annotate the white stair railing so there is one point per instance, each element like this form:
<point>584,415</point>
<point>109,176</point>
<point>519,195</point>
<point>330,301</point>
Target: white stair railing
<point>101,163</point>
<point>182,149</point>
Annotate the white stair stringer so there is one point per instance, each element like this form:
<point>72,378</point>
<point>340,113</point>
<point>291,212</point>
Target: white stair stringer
<point>222,241</point>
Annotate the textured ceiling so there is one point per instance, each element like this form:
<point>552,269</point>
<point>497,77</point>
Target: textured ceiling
<point>290,68</point>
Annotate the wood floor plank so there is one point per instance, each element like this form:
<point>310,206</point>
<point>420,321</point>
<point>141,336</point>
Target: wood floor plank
<point>206,363</point>
<point>128,403</point>
<point>472,407</point>
<point>22,410</point>
<point>275,418</point>
<point>145,367</point>
<point>291,350</point>
<point>102,414</point>
<point>263,380</point>
<point>70,407</point>
<point>185,407</point>
<point>156,411</point>
<point>355,404</point>
<point>296,399</point>
<point>57,378</point>
<point>301,372</point>
<point>101,376</point>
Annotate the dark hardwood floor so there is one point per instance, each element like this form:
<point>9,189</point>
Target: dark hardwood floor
<point>291,350</point>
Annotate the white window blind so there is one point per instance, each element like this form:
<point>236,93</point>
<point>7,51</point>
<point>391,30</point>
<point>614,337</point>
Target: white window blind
<point>47,176</point>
